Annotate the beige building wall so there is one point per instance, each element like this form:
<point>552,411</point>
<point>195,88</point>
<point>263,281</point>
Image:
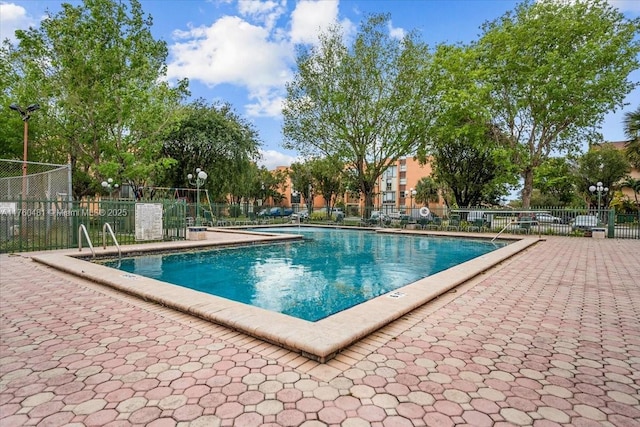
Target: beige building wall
<point>397,184</point>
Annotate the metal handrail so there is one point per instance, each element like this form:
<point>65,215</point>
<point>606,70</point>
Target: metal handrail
<point>106,227</point>
<point>515,222</point>
<point>501,231</point>
<point>83,230</point>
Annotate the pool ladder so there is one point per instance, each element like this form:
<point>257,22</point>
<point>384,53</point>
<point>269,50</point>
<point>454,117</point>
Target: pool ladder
<point>107,227</point>
<point>82,230</point>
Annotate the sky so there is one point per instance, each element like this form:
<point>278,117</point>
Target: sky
<point>243,51</point>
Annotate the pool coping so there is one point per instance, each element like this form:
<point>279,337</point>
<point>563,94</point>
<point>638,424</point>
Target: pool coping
<point>320,340</point>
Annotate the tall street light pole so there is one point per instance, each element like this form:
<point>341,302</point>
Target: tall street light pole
<point>25,113</point>
<point>413,194</point>
<point>600,189</point>
<point>200,177</point>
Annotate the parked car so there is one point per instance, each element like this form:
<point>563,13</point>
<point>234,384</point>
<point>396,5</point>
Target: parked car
<point>303,215</point>
<point>378,216</point>
<point>397,215</point>
<point>584,222</point>
<point>547,217</point>
<point>276,212</point>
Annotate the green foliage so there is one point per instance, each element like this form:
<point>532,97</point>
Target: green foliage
<point>365,104</point>
<point>302,181</point>
<point>631,125</point>
<point>215,139</point>
<point>427,190</point>
<point>235,211</point>
<point>318,216</point>
<point>469,156</point>
<point>327,174</point>
<point>554,180</point>
<point>634,185</point>
<point>555,69</point>
<point>603,163</point>
<point>11,127</point>
<point>97,73</point>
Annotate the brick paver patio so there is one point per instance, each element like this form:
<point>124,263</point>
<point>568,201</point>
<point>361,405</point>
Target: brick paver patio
<point>551,337</point>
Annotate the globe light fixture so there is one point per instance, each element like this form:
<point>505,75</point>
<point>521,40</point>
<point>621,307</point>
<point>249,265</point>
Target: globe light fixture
<point>197,180</point>
<point>109,186</point>
<point>600,189</point>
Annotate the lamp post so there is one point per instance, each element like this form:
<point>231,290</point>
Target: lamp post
<point>197,181</point>
<point>310,199</point>
<point>109,186</point>
<point>600,189</point>
<point>412,194</point>
<point>25,113</point>
<point>295,201</point>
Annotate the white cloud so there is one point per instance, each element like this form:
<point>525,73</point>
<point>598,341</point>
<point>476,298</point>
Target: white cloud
<point>309,18</point>
<point>268,103</point>
<point>271,159</point>
<point>12,18</point>
<point>264,12</point>
<point>236,52</point>
<point>397,33</point>
<point>230,51</point>
<point>251,51</point>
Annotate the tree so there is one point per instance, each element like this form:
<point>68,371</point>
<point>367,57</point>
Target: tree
<point>273,184</point>
<point>555,180</point>
<point>302,181</point>
<point>469,155</point>
<point>321,176</point>
<point>427,190</point>
<point>97,73</point>
<point>633,184</point>
<point>603,163</point>
<point>472,172</point>
<point>555,69</point>
<point>11,126</point>
<point>631,125</point>
<point>327,175</point>
<point>366,105</point>
<point>216,139</point>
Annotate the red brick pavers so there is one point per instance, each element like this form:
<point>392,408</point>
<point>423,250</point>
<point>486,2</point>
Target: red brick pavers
<point>549,338</point>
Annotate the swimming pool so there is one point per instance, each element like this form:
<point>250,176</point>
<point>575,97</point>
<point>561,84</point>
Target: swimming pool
<point>327,272</point>
<point>321,340</point>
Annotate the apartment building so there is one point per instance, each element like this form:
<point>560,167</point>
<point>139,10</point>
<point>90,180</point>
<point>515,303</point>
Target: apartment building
<point>395,189</point>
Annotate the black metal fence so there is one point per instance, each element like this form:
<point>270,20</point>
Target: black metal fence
<point>33,225</point>
<point>573,221</point>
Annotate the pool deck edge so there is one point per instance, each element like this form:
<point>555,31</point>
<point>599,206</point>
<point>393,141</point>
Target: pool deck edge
<point>320,340</point>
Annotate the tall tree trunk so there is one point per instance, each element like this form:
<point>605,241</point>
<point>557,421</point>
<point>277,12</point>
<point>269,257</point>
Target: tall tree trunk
<point>527,174</point>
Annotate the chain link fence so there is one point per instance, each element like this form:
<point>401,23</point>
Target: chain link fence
<point>32,180</point>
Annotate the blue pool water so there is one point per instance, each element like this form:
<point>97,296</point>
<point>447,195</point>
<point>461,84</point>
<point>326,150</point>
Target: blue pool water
<point>329,271</point>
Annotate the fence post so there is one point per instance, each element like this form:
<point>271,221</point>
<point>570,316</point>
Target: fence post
<point>611,224</point>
